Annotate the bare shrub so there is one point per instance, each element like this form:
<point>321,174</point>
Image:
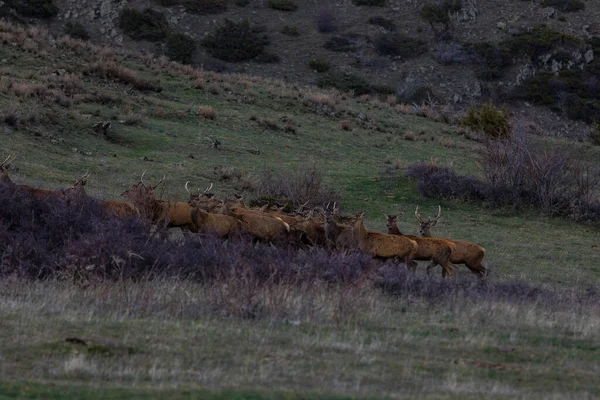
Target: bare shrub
<point>124,75</point>
<point>345,125</point>
<point>326,21</point>
<point>304,184</point>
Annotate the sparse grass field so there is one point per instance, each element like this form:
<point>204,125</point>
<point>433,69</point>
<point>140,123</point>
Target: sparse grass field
<point>168,338</point>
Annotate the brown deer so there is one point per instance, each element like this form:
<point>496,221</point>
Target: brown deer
<point>467,253</point>
<point>222,225</point>
<point>77,189</point>
<point>438,251</point>
<point>204,200</point>
<point>169,214</point>
<point>383,245</point>
<point>338,236</point>
<point>259,225</point>
<point>38,193</point>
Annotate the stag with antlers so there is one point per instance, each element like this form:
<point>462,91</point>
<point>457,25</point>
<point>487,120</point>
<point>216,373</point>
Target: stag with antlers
<point>166,213</point>
<point>438,251</point>
<point>4,167</point>
<point>467,253</point>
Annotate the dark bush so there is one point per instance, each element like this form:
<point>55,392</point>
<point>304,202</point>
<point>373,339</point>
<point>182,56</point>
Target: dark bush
<point>565,5</point>
<point>345,82</point>
<point>290,30</point>
<point>399,45</point>
<point>76,30</point>
<point>441,182</point>
<point>33,8</point>
<point>147,25</point>
<point>349,42</point>
<point>319,65</point>
<point>539,41</point>
<point>370,3</point>
<point>180,48</point>
<point>416,94</point>
<point>449,53</point>
<point>326,21</point>
<point>267,57</point>
<point>283,5</point>
<point>242,3</point>
<point>383,22</point>
<point>490,60</point>
<point>201,7</point>
<point>236,42</point>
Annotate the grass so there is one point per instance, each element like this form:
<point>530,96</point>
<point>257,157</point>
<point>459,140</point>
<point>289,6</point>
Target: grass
<point>171,341</point>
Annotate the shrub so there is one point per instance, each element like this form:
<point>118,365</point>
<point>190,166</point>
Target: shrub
<point>242,3</point>
<point>267,57</point>
<point>290,30</point>
<point>440,13</point>
<point>441,182</point>
<point>34,8</point>
<point>236,42</point>
<point>489,120</point>
<point>538,42</point>
<point>595,135</point>
<point>304,184</point>
<point>319,65</point>
<point>383,22</point>
<point>416,94</point>
<point>180,48</point>
<point>345,125</point>
<point>202,7</point>
<point>490,60</point>
<point>283,5</point>
<point>124,75</point>
<point>148,24</point>
<point>349,42</point>
<point>565,5</point>
<point>76,30</point>
<point>207,112</point>
<point>370,3</point>
<point>326,21</point>
<point>11,117</point>
<point>345,82</point>
<point>399,45</point>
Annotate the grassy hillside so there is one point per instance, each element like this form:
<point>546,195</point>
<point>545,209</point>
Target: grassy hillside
<point>52,93</point>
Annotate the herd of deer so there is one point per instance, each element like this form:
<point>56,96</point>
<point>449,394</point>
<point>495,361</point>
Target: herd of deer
<point>320,226</point>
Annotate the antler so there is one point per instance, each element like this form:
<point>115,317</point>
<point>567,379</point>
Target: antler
<point>161,181</point>
<point>142,178</point>
<point>418,215</point>
<point>186,188</point>
<point>208,188</point>
<point>8,160</point>
<point>84,176</point>
<point>439,214</point>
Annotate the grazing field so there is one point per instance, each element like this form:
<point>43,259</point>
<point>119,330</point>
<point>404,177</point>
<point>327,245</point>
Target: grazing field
<point>530,332</point>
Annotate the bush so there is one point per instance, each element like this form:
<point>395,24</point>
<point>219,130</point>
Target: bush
<point>440,13</point>
<point>565,5</point>
<point>538,42</point>
<point>595,135</point>
<point>490,60</point>
<point>236,42</point>
<point>349,82</point>
<point>242,3</point>
<point>370,3</point>
<point>416,94</point>
<point>326,21</point>
<point>201,7</point>
<point>349,42</point>
<point>147,25</point>
<point>33,8</point>
<point>283,5</point>
<point>180,48</point>
<point>442,183</point>
<point>76,30</point>
<point>319,65</point>
<point>489,120</point>
<point>399,45</point>
<point>383,22</point>
<point>267,57</point>
<point>290,30</point>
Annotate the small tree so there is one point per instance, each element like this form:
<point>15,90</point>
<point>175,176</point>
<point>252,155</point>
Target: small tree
<point>236,42</point>
<point>488,119</point>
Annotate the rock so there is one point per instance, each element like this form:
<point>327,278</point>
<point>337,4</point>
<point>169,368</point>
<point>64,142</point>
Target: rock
<point>527,71</point>
<point>548,12</point>
<point>515,31</point>
<point>113,33</point>
<point>501,25</point>
<point>589,56</point>
<point>457,98</point>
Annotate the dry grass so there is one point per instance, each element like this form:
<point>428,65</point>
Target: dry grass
<point>345,125</point>
<point>207,112</point>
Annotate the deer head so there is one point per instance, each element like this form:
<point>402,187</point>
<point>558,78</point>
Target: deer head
<point>425,226</point>
<point>78,189</point>
<point>391,222</point>
<point>140,192</point>
<point>4,178</point>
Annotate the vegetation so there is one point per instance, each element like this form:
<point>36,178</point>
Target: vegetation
<point>539,41</point>
<point>349,82</point>
<point>147,24</point>
<point>290,30</point>
<point>383,22</point>
<point>283,5</point>
<point>439,14</point>
<point>319,65</point>
<point>348,42</point>
<point>180,47</point>
<point>198,6</point>
<point>236,42</point>
<point>565,5</point>
<point>33,8</point>
<point>326,21</point>
<point>399,45</point>
<point>76,30</point>
<point>488,119</point>
<point>370,3</point>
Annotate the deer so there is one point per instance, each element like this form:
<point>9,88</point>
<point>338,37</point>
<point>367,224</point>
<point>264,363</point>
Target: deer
<point>38,193</point>
<point>467,253</point>
<point>170,214</point>
<point>204,200</point>
<point>77,189</point>
<point>337,236</point>
<point>383,245</point>
<point>222,225</point>
<point>262,227</point>
<point>436,250</point>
